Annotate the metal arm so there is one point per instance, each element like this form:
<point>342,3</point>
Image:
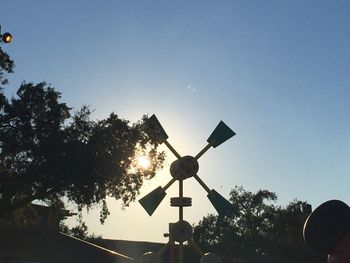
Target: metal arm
<point>206,148</point>
<point>171,148</point>
<point>169,184</point>
<point>202,183</point>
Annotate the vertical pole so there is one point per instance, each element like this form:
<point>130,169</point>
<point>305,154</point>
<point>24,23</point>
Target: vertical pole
<point>172,247</point>
<point>181,252</point>
<point>172,253</point>
<point>181,217</point>
<point>181,209</point>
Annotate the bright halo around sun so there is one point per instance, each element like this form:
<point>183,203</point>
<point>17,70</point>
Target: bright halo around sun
<point>143,162</point>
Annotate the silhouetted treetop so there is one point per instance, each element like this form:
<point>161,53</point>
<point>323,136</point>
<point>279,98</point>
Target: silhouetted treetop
<point>6,66</point>
<point>258,230</point>
<point>46,152</point>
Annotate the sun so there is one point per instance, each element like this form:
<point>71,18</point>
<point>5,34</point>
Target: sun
<point>143,162</point>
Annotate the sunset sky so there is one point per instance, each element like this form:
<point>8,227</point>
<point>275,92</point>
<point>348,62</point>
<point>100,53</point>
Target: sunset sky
<point>276,72</point>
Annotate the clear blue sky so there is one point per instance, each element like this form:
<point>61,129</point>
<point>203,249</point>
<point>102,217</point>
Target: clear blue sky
<point>276,72</point>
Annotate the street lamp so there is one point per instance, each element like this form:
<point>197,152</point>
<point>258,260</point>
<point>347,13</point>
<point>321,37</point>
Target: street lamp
<point>6,37</point>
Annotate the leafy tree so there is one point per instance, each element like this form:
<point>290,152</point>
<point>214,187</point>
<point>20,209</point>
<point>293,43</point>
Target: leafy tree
<point>286,238</point>
<point>79,231</point>
<point>239,235</point>
<point>253,211</point>
<point>6,66</point>
<point>258,230</point>
<point>47,152</point>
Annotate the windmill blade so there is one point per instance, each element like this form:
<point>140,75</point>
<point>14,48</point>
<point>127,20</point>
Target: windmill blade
<point>221,134</point>
<point>151,201</point>
<point>154,125</point>
<point>221,205</point>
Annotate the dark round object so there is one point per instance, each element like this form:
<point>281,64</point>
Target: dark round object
<point>181,231</point>
<point>326,225</point>
<point>7,37</point>
<point>184,168</point>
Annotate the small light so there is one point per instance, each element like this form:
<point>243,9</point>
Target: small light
<point>6,37</point>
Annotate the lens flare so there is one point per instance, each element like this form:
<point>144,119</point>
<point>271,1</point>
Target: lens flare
<point>143,162</point>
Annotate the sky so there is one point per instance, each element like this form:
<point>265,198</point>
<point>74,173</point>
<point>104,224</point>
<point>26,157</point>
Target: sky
<point>276,72</point>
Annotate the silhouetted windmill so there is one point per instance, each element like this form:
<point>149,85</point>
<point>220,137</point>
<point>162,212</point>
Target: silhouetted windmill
<point>183,168</point>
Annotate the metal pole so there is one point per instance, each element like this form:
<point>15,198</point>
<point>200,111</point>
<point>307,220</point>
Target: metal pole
<point>172,247</point>
<point>202,183</point>
<point>181,209</point>
<point>181,252</point>
<point>206,148</point>
<point>169,184</point>
<point>181,216</point>
<point>171,148</point>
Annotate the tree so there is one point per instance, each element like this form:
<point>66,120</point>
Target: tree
<point>287,238</point>
<point>6,66</point>
<point>257,230</point>
<point>47,153</point>
<point>241,234</point>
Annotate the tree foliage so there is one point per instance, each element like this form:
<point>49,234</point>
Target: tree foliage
<point>6,66</point>
<point>47,152</point>
<point>258,230</point>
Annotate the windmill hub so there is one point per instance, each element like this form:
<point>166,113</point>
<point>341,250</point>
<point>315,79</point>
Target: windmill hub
<point>184,167</point>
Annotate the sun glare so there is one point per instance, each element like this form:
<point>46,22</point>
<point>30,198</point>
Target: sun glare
<point>143,162</point>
